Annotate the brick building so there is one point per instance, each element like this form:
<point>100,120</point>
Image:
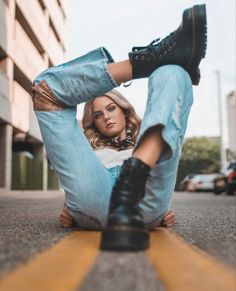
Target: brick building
<point>32,38</point>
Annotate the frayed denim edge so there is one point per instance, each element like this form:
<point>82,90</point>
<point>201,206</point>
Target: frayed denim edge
<point>106,59</point>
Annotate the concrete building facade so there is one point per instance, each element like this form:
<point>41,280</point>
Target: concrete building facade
<point>231,113</point>
<point>32,38</point>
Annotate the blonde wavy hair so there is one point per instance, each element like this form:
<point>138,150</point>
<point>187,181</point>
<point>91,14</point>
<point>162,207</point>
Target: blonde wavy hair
<point>95,138</point>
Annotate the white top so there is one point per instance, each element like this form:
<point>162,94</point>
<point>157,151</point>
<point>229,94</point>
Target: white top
<point>111,158</point>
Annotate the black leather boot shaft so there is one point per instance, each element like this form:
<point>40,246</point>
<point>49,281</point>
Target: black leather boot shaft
<point>130,185</point>
<point>125,229</point>
<point>185,47</point>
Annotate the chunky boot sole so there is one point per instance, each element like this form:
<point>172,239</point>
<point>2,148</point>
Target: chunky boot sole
<point>199,40</point>
<point>124,238</point>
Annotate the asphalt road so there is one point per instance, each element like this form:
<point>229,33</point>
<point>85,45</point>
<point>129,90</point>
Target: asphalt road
<point>209,222</point>
<point>29,224</point>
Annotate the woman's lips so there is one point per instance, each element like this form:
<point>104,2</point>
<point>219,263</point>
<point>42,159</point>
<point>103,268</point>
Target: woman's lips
<point>109,125</point>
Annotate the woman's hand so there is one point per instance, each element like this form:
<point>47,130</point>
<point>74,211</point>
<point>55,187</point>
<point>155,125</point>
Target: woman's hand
<point>66,220</point>
<point>169,219</point>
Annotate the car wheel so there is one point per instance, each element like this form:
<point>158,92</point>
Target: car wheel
<point>229,190</point>
<point>217,191</point>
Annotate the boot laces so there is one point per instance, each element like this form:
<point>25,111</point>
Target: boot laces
<point>158,46</point>
<point>126,182</point>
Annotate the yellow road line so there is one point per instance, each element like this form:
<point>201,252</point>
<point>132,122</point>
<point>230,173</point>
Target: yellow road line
<point>182,267</point>
<point>61,267</point>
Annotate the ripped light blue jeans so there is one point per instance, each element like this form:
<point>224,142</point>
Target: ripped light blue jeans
<point>86,182</point>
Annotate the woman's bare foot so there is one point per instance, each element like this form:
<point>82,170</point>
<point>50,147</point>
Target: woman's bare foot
<point>66,220</point>
<point>168,219</point>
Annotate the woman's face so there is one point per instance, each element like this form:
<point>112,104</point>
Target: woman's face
<point>109,118</point>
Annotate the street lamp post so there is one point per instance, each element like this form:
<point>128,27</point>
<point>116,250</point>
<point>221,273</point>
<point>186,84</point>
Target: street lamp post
<point>220,112</point>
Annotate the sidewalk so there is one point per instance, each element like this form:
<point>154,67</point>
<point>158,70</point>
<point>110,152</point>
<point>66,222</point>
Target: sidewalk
<point>32,194</point>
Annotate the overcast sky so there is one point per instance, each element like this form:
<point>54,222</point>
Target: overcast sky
<point>120,25</point>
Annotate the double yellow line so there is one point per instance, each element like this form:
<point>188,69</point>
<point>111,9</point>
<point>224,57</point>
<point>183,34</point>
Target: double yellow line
<point>61,267</point>
<point>181,267</point>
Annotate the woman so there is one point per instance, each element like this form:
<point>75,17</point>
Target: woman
<point>126,201</point>
<point>112,134</point>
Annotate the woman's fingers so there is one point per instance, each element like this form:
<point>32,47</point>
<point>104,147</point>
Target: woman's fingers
<point>65,219</point>
<point>169,223</point>
<point>169,214</point>
<point>66,216</point>
<point>65,223</point>
<point>169,219</point>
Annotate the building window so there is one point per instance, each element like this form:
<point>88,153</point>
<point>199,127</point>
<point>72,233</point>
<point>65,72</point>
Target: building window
<point>50,64</point>
<point>41,3</point>
<point>62,10</point>
<point>20,78</point>
<point>59,3</point>
<point>28,30</point>
<point>54,30</point>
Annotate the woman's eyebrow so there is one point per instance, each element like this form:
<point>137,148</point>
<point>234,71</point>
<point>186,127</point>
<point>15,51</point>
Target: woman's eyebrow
<point>105,107</point>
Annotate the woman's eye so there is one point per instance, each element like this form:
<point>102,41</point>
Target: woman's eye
<point>111,108</point>
<point>97,115</point>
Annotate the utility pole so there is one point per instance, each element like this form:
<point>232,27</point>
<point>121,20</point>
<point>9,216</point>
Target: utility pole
<point>223,159</point>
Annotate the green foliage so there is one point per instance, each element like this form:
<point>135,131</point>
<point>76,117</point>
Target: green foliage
<point>200,155</point>
<point>231,155</point>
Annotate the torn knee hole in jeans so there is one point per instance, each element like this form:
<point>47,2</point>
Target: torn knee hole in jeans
<point>44,99</point>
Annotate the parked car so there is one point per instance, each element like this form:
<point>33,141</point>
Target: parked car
<point>227,181</point>
<point>184,184</point>
<point>201,182</point>
<point>231,179</point>
<point>220,184</point>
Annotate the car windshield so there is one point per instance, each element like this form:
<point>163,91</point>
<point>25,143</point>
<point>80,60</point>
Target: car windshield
<point>205,178</point>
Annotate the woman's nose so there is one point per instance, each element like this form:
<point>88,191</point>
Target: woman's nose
<point>106,115</point>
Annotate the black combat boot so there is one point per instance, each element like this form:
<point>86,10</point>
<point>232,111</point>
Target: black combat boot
<point>185,46</point>
<point>125,230</point>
